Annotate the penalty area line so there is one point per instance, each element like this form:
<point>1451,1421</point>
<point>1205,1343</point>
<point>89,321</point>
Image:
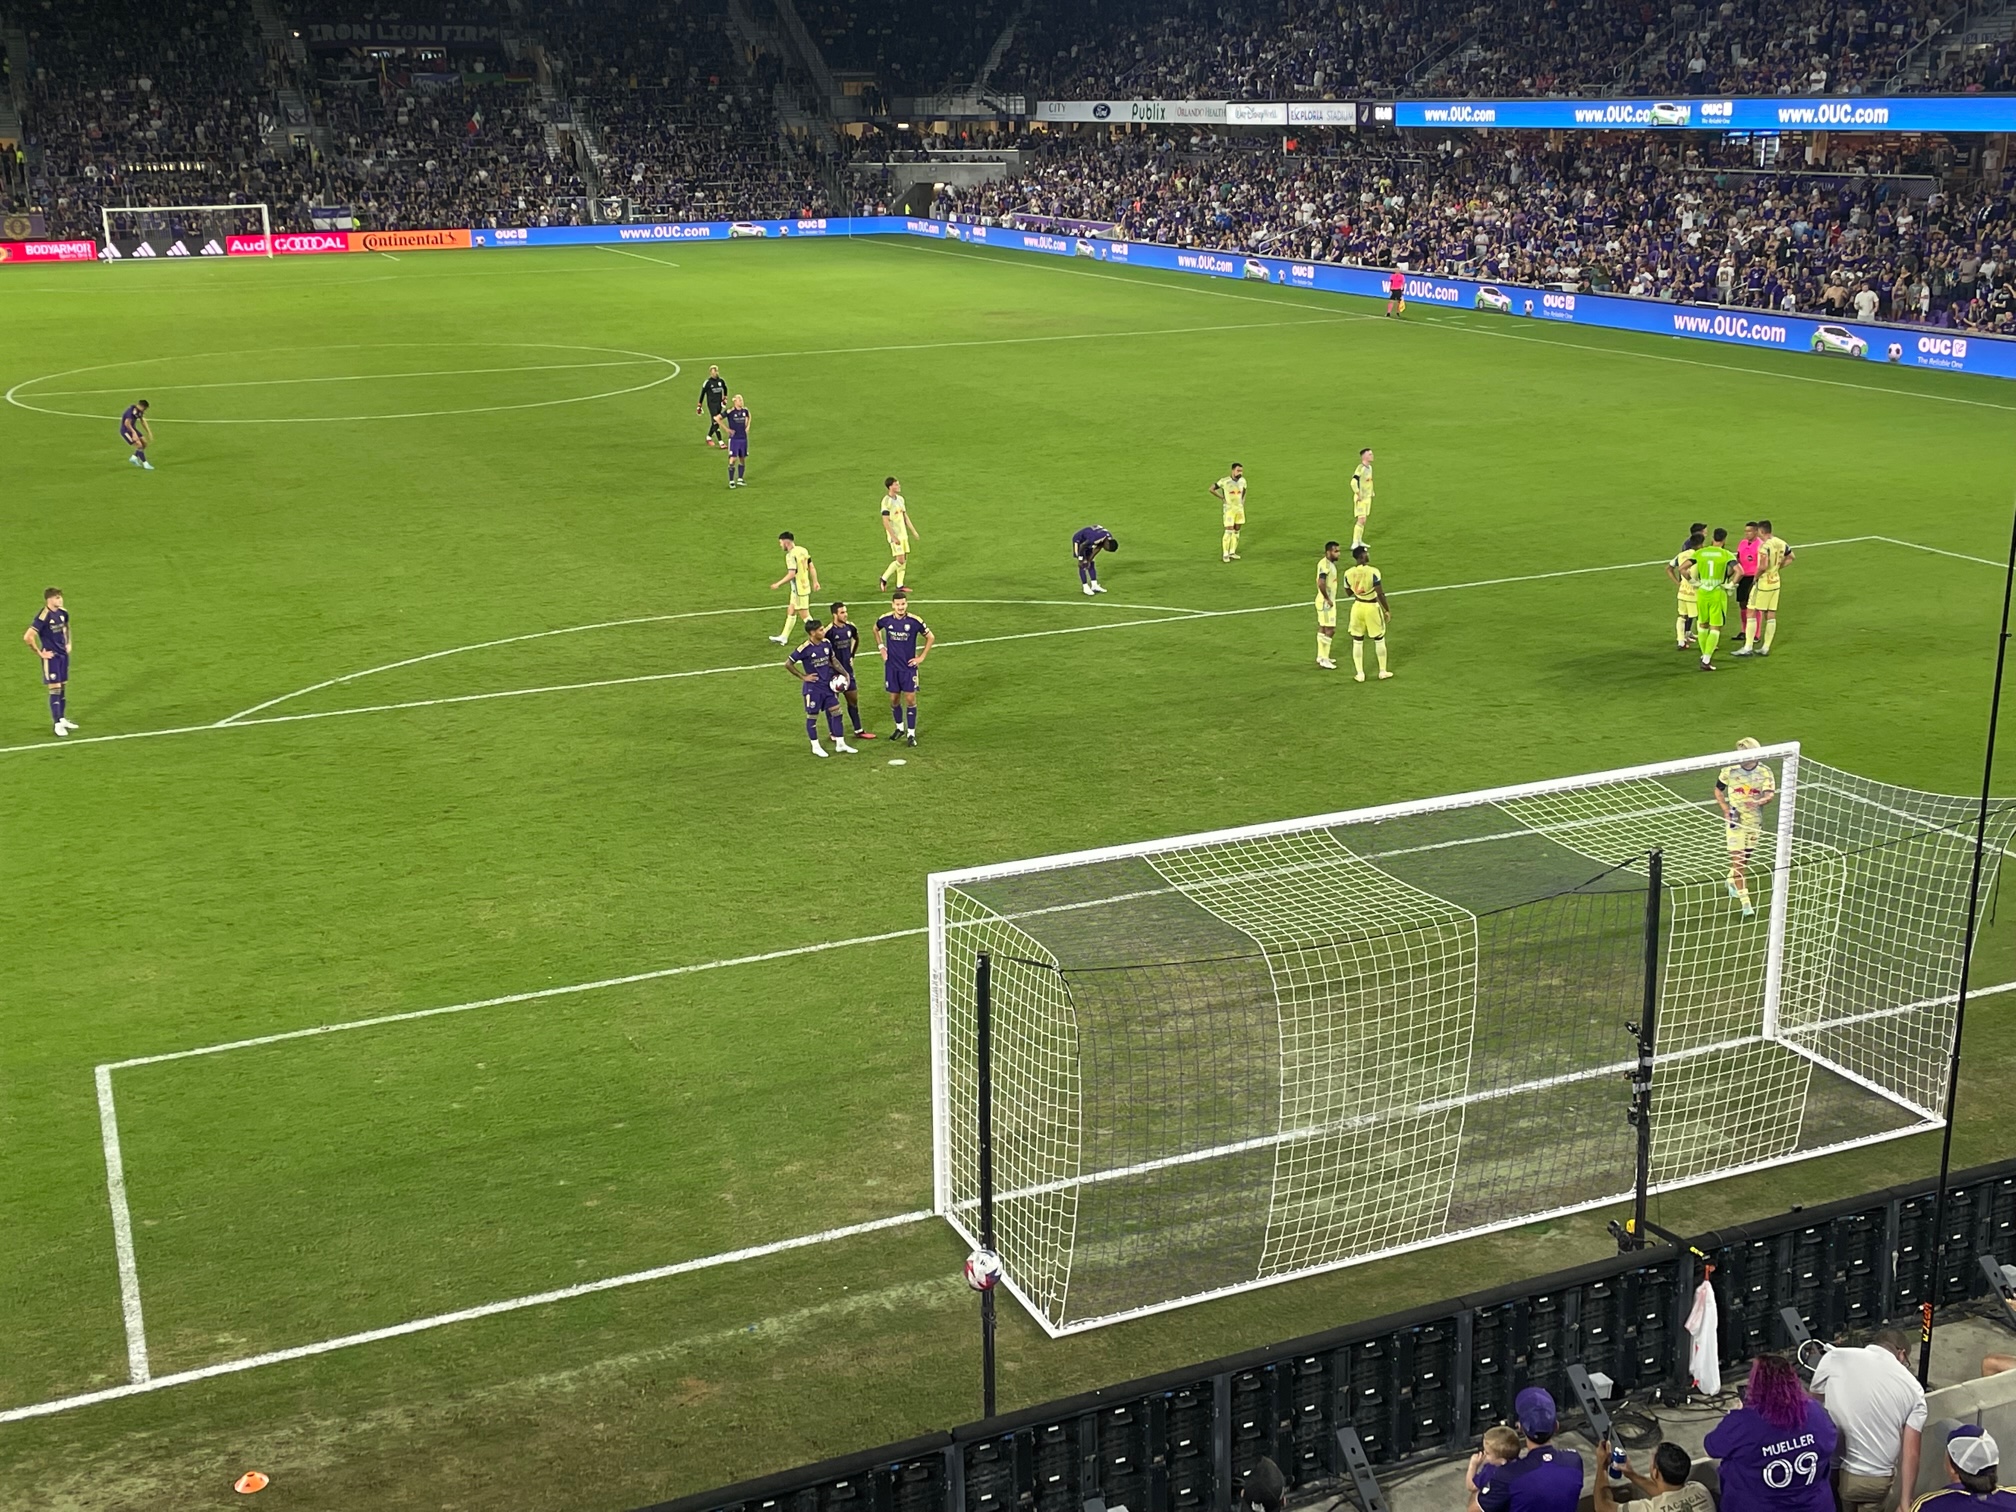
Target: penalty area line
<point>462,1315</point>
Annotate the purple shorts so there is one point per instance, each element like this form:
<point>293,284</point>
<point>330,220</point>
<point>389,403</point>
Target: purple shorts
<point>819,695</point>
<point>56,669</point>
<point>899,676</point>
<point>738,446</point>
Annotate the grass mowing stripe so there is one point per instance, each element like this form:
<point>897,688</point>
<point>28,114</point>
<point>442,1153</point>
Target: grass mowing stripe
<point>244,721</point>
<point>462,1315</point>
<point>535,367</point>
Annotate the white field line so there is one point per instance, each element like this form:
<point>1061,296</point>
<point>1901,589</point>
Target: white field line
<point>1043,264</point>
<point>463,1315</point>
<point>245,719</point>
<point>645,619</point>
<point>535,367</point>
<point>640,256</point>
<point>122,1230</point>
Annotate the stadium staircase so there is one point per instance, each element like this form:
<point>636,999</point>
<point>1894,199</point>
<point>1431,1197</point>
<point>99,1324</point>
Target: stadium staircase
<point>1978,23</point>
<point>292,114</point>
<point>14,46</point>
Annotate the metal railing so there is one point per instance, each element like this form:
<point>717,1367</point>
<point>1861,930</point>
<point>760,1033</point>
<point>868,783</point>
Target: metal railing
<point>1428,1381</point>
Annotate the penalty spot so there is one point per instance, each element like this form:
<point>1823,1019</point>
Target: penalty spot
<point>897,761</point>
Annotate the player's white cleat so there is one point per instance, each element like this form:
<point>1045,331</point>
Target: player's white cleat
<point>1744,651</point>
<point>149,466</point>
<point>818,750</point>
<point>1326,664</point>
<point>1384,675</point>
<point>1087,589</point>
<point>134,460</point>
<point>1098,587</point>
<point>775,640</point>
<point>68,724</point>
<point>1233,558</point>
<point>59,729</point>
<point>841,745</point>
<point>1225,556</point>
<point>1358,677</point>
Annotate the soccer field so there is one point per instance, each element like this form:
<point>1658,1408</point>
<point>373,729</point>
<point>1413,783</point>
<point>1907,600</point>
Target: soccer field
<point>423,694</point>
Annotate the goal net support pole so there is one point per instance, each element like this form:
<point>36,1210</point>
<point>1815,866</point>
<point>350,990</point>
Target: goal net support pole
<point>261,209</point>
<point>1222,1061</point>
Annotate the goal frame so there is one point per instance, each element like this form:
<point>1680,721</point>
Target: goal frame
<point>106,212</point>
<point>947,1206</point>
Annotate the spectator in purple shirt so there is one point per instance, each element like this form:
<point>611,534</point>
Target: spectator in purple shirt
<point>1777,1448</point>
<point>1543,1478</point>
<point>1971,1460</point>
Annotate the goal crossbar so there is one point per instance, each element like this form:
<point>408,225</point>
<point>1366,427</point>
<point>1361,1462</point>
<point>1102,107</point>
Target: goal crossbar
<point>1227,1059</point>
<point>261,208</point>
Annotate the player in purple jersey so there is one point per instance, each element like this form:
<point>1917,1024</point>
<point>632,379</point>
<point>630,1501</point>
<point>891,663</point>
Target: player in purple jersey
<point>904,641</point>
<point>1777,1449</point>
<point>1972,1460</point>
<point>844,636</point>
<point>136,432</point>
<point>1086,545</point>
<point>48,636</point>
<point>812,665</point>
<point>738,442</point>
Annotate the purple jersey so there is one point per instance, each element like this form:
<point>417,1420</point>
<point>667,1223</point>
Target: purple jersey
<point>129,420</point>
<point>1086,541</point>
<point>843,639</point>
<point>1543,1479</point>
<point>1957,1498</point>
<point>1770,1469</point>
<point>814,661</point>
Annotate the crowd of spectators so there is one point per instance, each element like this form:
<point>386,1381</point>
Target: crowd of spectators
<point>1651,216</point>
<point>1287,49</point>
<point>911,46</point>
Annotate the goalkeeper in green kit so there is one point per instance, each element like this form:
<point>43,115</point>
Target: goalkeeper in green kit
<point>1714,566</point>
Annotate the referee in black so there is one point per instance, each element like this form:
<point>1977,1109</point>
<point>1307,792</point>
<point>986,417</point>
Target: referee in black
<point>713,399</point>
<point>1746,575</point>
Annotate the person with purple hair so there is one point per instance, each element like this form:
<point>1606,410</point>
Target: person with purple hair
<point>1777,1449</point>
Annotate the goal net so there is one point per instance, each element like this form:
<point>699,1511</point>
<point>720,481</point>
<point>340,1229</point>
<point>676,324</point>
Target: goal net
<point>148,231</point>
<point>1227,1060</point>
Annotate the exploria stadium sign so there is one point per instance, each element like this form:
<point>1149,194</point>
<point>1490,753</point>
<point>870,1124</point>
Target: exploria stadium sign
<point>1201,112</point>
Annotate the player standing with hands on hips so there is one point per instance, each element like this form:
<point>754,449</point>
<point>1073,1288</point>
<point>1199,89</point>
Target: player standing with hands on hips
<point>48,636</point>
<point>1230,490</point>
<point>904,641</point>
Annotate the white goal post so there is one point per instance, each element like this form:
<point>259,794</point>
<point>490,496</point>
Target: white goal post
<point>1226,1060</point>
<point>167,214</point>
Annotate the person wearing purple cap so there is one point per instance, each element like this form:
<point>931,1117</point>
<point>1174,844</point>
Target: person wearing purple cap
<point>1543,1478</point>
<point>1778,1447</point>
<point>1971,1461</point>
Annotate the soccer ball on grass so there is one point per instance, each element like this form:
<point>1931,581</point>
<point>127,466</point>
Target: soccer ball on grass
<point>983,1269</point>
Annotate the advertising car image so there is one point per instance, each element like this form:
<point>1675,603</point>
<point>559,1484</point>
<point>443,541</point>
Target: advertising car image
<point>1257,270</point>
<point>1669,114</point>
<point>746,228</point>
<point>1838,341</point>
<point>1491,297</point>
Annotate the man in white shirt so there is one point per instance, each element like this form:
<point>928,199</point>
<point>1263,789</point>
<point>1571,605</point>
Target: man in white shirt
<point>1878,1405</point>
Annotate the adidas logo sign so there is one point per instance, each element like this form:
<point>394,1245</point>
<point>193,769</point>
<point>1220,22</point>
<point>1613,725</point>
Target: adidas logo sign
<point>211,249</point>
<point>111,253</point>
<point>176,249</point>
<point>145,249</point>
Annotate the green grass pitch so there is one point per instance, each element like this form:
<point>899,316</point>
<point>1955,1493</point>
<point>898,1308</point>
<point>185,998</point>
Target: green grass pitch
<point>364,463</point>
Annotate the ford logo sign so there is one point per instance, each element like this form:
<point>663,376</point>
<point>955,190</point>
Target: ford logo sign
<point>1101,111</point>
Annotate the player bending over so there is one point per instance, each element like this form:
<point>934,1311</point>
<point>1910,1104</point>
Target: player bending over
<point>1714,564</point>
<point>896,525</point>
<point>812,665</point>
<point>1361,496</point>
<point>1741,791</point>
<point>713,396</point>
<point>48,636</point>
<point>1773,553</point>
<point>1231,491</point>
<point>1086,545</point>
<point>1369,610</point>
<point>1326,604</point>
<point>136,432</point>
<point>738,443</point>
<point>803,576</point>
<point>904,641</point>
<point>843,635</point>
<point>1681,571</point>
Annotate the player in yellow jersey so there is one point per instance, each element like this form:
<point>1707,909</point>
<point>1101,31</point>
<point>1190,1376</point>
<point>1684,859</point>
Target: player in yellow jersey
<point>1681,571</point>
<point>1361,496</point>
<point>1369,610</point>
<point>1741,791</point>
<point>1327,573</point>
<point>1773,552</point>
<point>803,577</point>
<point>1231,491</point>
<point>897,526</point>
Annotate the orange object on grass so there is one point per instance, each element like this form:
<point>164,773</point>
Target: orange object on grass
<point>250,1481</point>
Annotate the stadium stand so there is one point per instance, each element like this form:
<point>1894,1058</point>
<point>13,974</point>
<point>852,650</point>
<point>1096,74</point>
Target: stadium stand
<point>1632,215</point>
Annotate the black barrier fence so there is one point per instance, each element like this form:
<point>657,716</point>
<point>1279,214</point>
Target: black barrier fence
<point>1431,1379</point>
